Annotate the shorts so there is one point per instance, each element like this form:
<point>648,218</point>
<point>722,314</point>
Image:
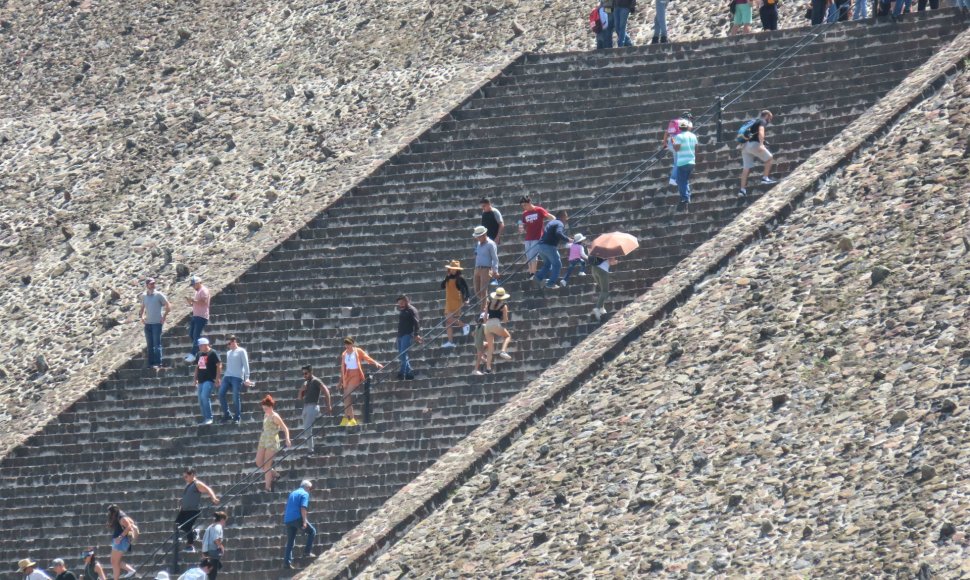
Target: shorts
<point>493,326</point>
<point>531,250</point>
<point>752,150</point>
<point>123,546</point>
<point>742,14</point>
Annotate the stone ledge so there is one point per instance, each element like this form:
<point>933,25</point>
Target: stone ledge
<point>355,550</point>
<point>129,343</point>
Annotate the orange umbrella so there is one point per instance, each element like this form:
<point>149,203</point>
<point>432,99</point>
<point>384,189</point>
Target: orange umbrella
<point>613,245</point>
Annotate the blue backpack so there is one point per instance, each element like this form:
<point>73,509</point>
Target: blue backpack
<point>744,133</point>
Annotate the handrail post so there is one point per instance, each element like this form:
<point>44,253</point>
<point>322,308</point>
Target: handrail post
<point>720,109</point>
<point>367,400</point>
<point>175,552</point>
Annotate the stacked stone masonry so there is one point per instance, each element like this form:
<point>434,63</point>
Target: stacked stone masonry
<point>799,416</point>
<point>156,138</point>
<point>521,134</point>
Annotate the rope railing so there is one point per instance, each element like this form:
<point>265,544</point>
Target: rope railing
<point>711,114</point>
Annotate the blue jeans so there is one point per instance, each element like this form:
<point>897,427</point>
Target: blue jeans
<point>572,264</point>
<point>153,338</point>
<point>236,384</point>
<point>196,326</point>
<point>620,17</point>
<point>292,528</point>
<point>204,392</point>
<point>898,8</point>
<point>403,344</point>
<point>861,11</point>
<point>660,20</point>
<point>551,264</point>
<point>683,181</point>
<point>604,38</point>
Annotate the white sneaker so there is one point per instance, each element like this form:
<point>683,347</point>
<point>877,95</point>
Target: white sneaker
<point>581,274</point>
<point>466,329</point>
<point>189,358</point>
<point>505,355</point>
<point>448,344</point>
<point>596,313</point>
<point>769,180</point>
<point>189,549</point>
<point>130,574</point>
<point>672,181</point>
<point>206,422</point>
<point>477,373</point>
<point>562,283</point>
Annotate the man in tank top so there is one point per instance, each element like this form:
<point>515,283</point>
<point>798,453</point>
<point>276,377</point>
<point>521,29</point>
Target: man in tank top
<point>190,506</point>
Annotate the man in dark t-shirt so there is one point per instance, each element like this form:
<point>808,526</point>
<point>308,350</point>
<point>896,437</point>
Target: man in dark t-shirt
<point>408,329</point>
<point>492,220</point>
<point>207,371</point>
<point>310,394</point>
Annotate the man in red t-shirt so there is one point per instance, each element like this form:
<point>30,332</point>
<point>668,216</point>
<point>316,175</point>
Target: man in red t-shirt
<point>534,218</point>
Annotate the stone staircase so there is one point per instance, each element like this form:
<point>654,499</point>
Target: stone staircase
<point>559,127</point>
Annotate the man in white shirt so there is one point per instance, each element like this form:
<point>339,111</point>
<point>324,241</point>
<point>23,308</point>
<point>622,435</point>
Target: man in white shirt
<point>28,570</point>
<point>236,375</point>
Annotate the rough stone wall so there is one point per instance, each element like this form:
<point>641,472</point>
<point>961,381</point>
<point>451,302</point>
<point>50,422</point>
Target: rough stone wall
<point>804,413</point>
<point>161,138</point>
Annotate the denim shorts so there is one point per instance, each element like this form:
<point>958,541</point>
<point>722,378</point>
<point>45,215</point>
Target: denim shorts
<point>123,546</point>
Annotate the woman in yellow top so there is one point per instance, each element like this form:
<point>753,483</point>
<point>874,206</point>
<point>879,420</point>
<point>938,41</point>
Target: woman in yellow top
<point>352,361</point>
<point>456,296</point>
<point>269,441</point>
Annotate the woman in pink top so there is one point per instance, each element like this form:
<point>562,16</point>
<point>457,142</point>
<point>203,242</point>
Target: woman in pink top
<point>352,361</point>
<point>577,257</point>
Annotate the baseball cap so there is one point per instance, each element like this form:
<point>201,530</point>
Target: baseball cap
<point>203,341</point>
<point>149,281</point>
<point>57,562</point>
<point>86,553</point>
<point>194,280</point>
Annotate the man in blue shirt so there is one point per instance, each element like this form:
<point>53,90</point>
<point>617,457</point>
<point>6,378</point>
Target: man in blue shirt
<point>553,235</point>
<point>295,519</point>
<point>685,143</point>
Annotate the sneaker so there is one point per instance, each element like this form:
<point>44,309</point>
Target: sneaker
<point>477,373</point>
<point>768,180</point>
<point>466,329</point>
<point>672,182</point>
<point>596,313</point>
<point>581,274</point>
<point>131,573</point>
<point>742,192</point>
<point>189,550</point>
<point>493,283</point>
<point>488,371</point>
<point>206,422</point>
<point>189,358</point>
<point>505,355</point>
<point>552,287</point>
<point>344,422</point>
<point>448,344</point>
<point>352,423</point>
<point>562,283</point>
<point>237,421</point>
<point>409,377</point>
<point>288,566</point>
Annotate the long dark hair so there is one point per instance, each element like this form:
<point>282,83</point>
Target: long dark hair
<point>115,515</point>
<point>94,557</point>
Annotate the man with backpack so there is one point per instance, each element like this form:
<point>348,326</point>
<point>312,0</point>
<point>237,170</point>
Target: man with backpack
<point>601,24</point>
<point>751,136</point>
